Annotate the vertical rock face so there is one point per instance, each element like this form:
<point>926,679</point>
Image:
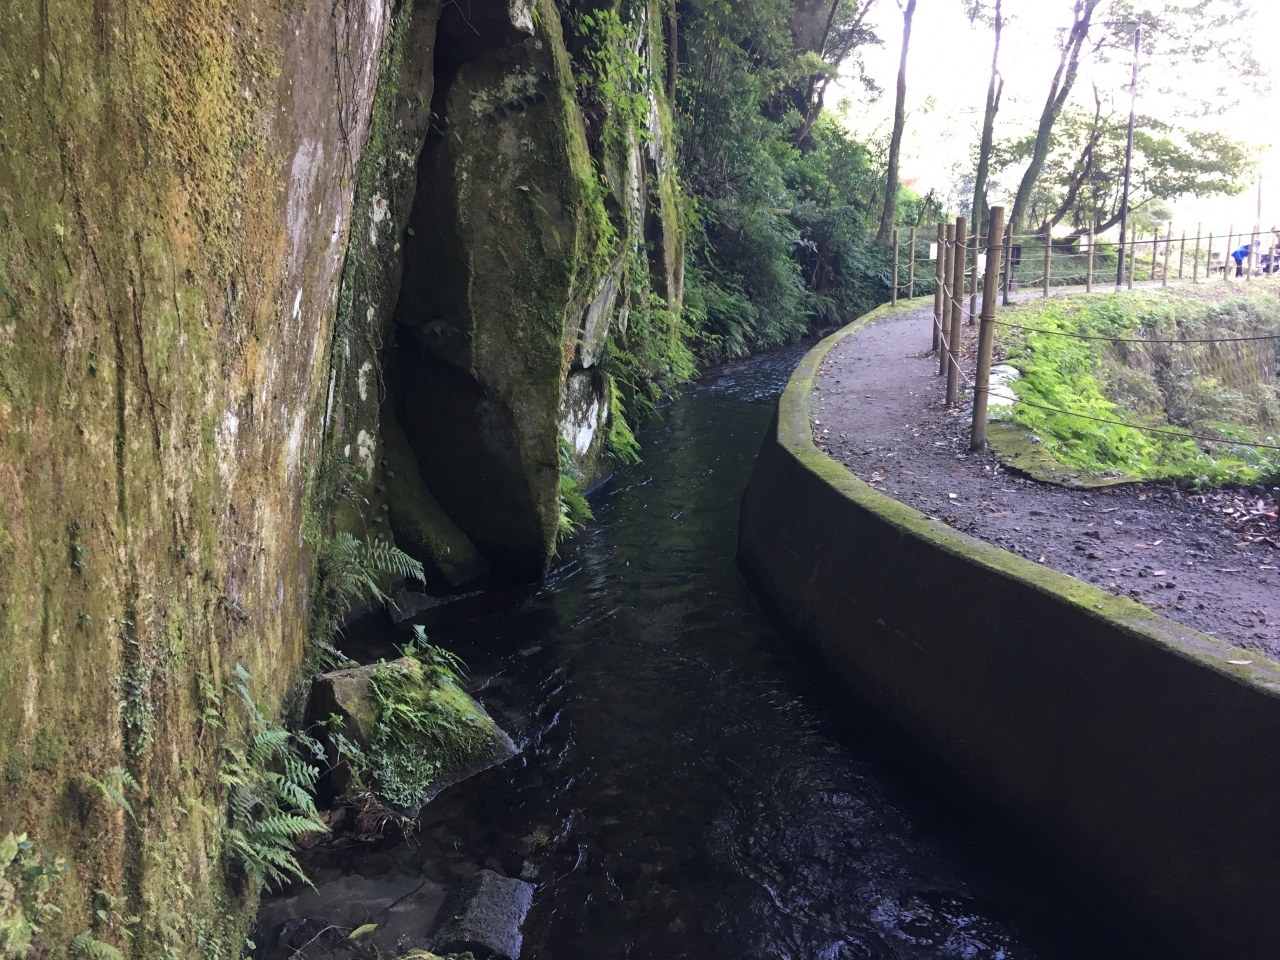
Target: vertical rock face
<point>502,232</point>
<point>175,190</point>
<point>226,230</point>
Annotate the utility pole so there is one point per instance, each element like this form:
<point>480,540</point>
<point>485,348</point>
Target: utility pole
<point>1128,155</point>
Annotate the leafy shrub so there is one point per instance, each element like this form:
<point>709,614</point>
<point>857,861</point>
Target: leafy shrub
<point>27,878</point>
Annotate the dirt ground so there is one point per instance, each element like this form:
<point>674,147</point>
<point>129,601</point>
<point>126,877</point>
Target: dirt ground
<point>1205,560</point>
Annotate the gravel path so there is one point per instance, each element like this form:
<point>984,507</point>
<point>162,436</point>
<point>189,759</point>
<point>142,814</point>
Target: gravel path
<point>1207,561</point>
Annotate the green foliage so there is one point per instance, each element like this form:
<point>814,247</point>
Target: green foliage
<point>574,509</point>
<point>112,786</point>
<point>779,226</point>
<point>1224,391</point>
<point>271,794</point>
<point>613,78</point>
<point>86,947</point>
<point>620,442</point>
<point>27,879</point>
<point>425,723</point>
<point>349,571</point>
<point>133,703</point>
<point>1083,175</point>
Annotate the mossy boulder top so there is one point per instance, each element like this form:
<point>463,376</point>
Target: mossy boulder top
<point>419,731</point>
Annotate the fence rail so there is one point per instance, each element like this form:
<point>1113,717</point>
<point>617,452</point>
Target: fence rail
<point>957,277</point>
<point>1030,262</point>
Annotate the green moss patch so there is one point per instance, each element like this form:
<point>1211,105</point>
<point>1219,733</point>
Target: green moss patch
<point>406,729</point>
<point>1184,411</point>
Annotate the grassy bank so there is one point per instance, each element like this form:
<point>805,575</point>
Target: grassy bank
<point>1209,401</point>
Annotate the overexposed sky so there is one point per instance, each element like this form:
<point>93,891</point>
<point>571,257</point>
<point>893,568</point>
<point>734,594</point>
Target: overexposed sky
<point>949,66</point>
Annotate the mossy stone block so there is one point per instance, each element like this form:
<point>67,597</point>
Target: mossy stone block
<point>1016,449</point>
<point>432,762</point>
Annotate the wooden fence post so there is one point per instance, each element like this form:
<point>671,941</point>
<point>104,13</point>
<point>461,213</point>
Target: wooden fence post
<point>911,266</point>
<point>1048,252</point>
<point>939,271</point>
<point>1195,257</point>
<point>1168,248</point>
<point>957,310</point>
<point>893,297</point>
<point>986,332</point>
<point>1008,267</point>
<point>1088,266</point>
<point>1133,256</point>
<point>1226,271</point>
<point>973,274</point>
<point>1208,258</point>
<point>1253,239</point>
<point>947,252</point>
<point>1182,253</point>
<point>1155,242</point>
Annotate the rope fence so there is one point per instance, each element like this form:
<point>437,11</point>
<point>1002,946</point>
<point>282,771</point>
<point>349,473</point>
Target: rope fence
<point>960,281</point>
<point>1030,262</point>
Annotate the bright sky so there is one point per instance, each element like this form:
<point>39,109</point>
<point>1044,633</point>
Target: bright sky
<point>946,95</point>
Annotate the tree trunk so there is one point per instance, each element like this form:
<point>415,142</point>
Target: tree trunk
<point>1081,171</point>
<point>994,90</point>
<point>817,92</point>
<point>673,53</point>
<point>1063,80</point>
<point>899,121</point>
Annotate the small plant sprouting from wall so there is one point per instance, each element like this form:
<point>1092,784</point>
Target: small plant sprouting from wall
<point>133,702</point>
<point>112,787</point>
<point>271,798</point>
<point>574,509</point>
<point>349,570</point>
<point>27,879</point>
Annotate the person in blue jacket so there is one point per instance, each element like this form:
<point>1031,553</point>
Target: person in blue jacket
<point>1242,254</point>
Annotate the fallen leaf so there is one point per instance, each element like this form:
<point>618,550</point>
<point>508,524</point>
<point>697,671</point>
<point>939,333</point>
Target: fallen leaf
<point>361,930</point>
<point>1240,663</point>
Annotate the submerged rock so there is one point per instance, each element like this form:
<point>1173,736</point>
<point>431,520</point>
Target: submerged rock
<point>485,915</point>
<point>414,729</point>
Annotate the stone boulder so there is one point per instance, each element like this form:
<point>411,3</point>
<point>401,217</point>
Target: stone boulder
<point>484,916</point>
<point>418,730</point>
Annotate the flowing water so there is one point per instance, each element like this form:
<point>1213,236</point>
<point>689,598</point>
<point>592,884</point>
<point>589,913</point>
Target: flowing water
<point>688,785</point>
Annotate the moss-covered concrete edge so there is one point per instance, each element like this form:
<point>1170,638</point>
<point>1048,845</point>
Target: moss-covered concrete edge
<point>1131,747</point>
<point>796,410</point>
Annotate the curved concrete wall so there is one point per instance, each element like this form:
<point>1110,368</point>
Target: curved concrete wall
<point>1127,742</point>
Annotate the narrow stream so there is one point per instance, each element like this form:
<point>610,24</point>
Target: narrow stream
<point>687,786</point>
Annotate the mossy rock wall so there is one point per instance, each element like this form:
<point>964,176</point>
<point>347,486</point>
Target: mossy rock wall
<point>205,210</point>
<point>175,191</point>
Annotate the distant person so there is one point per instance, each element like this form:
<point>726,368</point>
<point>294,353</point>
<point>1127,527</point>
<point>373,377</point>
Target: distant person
<point>1241,254</point>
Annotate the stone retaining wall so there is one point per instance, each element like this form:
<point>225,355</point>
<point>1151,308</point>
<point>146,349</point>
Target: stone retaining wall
<point>1130,744</point>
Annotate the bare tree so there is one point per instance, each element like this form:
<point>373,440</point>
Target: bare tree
<point>899,121</point>
<point>1064,79</point>
<point>995,88</point>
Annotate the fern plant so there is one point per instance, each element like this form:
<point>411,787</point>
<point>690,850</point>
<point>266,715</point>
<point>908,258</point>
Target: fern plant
<point>271,794</point>
<point>349,570</point>
<point>574,509</point>
<point>112,787</point>
<point>87,947</point>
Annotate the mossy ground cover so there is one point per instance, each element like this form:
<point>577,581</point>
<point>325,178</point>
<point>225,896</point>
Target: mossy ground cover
<point>1182,411</point>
